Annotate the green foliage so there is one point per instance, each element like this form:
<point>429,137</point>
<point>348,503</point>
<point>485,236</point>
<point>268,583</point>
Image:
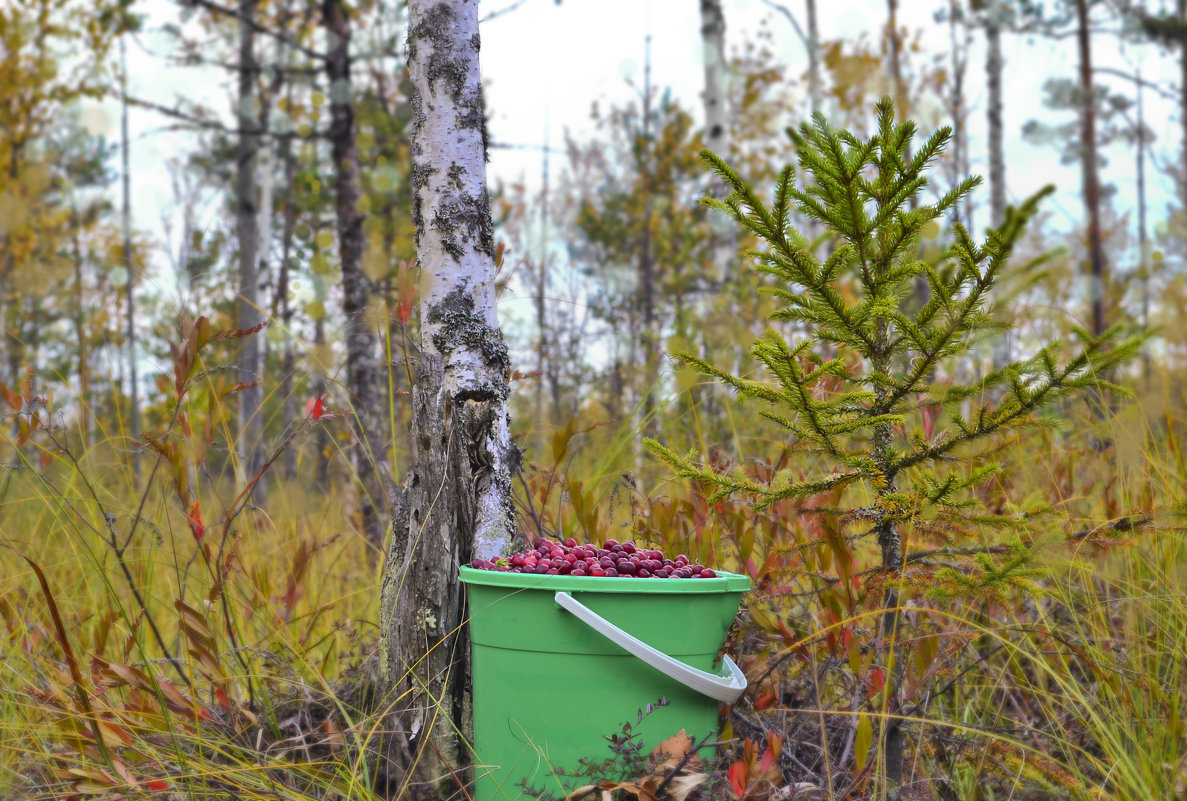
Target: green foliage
<point>862,364</point>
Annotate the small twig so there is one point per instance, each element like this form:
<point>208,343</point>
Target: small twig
<point>786,12</point>
<point>1121,525</point>
<point>919,556</point>
<point>498,12</point>
<point>283,37</point>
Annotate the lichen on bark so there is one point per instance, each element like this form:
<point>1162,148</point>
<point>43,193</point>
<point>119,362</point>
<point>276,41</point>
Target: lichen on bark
<point>457,497</point>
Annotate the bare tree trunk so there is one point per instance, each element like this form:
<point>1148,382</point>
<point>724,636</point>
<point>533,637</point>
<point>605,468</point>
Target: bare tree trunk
<point>717,127</point>
<point>993,76</point>
<point>1002,352</point>
<point>1091,180</point>
<point>126,181</point>
<point>457,500</point>
<point>1183,108</point>
<point>1143,238</point>
<point>249,441</point>
<point>363,373</point>
<point>284,311</point>
<point>896,70</point>
<point>815,96</point>
<point>645,287</point>
<point>84,372</point>
<point>956,108</point>
<point>541,288</point>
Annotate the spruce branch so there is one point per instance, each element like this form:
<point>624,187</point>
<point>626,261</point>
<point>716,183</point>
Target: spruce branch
<point>866,354</point>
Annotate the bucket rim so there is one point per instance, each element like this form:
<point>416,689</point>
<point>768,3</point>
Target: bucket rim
<point>723,582</point>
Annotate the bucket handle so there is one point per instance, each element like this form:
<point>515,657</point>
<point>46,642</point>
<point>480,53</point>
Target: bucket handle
<point>726,689</point>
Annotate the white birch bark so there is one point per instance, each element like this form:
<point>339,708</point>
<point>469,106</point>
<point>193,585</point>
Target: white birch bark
<point>455,241</point>
<point>456,502</point>
<point>717,125</point>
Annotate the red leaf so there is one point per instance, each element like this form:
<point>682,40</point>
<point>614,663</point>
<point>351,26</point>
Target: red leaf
<point>930,414</point>
<point>238,333</point>
<point>764,701</point>
<point>313,408</point>
<point>738,778</point>
<point>877,678</point>
<point>221,696</point>
<point>13,400</point>
<point>407,287</point>
<point>195,520</point>
<point>242,385</point>
<point>157,784</point>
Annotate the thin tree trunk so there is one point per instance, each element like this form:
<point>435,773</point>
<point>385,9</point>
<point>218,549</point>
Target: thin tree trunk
<point>815,93</point>
<point>1143,238</point>
<point>1002,352</point>
<point>320,388</point>
<point>84,373</point>
<point>288,401</point>
<point>249,441</point>
<point>717,127</point>
<point>457,500</point>
<point>889,539</point>
<point>993,77</point>
<point>1091,179</point>
<point>126,181</point>
<point>363,373</point>
<point>956,109</point>
<point>541,288</point>
<point>1183,108</point>
<point>645,289</point>
<point>896,70</point>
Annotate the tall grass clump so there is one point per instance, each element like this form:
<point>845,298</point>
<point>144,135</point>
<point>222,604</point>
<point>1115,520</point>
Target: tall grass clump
<point>163,635</point>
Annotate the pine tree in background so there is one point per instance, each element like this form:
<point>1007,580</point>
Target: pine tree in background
<point>878,416</point>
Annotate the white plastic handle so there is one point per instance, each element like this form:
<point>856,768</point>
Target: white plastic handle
<point>726,689</point>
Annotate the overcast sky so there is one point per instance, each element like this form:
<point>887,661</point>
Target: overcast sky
<point>546,63</point>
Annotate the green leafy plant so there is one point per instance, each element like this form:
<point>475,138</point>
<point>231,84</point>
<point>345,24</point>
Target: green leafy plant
<point>862,374</point>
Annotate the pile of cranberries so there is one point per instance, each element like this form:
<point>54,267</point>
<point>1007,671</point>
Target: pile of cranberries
<point>623,560</point>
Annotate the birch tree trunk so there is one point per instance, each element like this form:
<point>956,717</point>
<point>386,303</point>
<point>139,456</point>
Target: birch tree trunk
<point>251,429</point>
<point>717,126</point>
<point>456,502</point>
<point>363,374</point>
<point>1002,352</point>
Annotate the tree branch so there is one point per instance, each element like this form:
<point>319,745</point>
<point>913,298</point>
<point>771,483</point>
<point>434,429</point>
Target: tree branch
<point>283,37</point>
<point>786,12</point>
<point>498,12</point>
<point>1139,81</point>
<point>201,123</point>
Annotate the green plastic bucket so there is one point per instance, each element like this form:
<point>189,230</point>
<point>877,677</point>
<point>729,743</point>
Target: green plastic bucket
<point>560,663</point>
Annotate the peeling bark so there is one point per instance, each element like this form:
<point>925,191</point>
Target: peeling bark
<point>363,373</point>
<point>456,501</point>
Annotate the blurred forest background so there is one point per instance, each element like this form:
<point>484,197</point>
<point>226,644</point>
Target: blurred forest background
<point>208,299</point>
